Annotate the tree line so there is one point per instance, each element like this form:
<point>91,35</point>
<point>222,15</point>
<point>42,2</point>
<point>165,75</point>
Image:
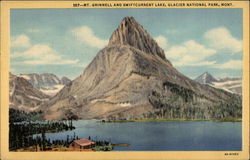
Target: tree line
<point>184,103</point>
<point>21,134</point>
<point>19,116</point>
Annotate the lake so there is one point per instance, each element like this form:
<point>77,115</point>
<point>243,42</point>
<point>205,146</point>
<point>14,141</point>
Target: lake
<point>161,136</point>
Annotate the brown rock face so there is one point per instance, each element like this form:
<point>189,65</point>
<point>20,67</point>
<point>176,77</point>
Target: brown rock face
<point>131,78</point>
<point>133,34</point>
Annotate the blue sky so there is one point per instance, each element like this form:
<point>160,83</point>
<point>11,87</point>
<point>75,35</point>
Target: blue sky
<point>64,41</point>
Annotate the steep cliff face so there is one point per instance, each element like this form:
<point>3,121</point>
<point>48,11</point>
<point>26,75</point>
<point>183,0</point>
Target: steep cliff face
<point>23,96</point>
<point>129,32</point>
<point>131,78</point>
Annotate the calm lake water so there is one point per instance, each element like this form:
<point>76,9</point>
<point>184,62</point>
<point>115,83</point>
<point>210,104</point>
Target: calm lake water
<point>161,136</point>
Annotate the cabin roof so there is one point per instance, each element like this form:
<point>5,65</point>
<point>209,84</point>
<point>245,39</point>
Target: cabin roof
<point>83,142</point>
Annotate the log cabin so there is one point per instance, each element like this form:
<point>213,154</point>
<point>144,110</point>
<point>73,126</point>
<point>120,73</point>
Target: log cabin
<point>82,144</point>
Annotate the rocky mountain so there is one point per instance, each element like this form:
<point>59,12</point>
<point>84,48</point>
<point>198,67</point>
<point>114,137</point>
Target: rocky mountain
<point>23,96</point>
<point>65,80</point>
<point>233,85</point>
<point>131,78</point>
<point>48,83</point>
<point>206,78</point>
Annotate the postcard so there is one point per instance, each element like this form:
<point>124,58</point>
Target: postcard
<point>124,80</point>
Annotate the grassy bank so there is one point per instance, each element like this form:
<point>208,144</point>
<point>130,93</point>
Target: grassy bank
<point>228,120</point>
<point>175,119</point>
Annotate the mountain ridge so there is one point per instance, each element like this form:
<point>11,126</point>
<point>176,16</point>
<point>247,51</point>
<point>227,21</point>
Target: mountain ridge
<point>48,83</point>
<point>232,85</point>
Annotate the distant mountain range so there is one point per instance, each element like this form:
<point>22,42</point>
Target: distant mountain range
<point>48,83</point>
<point>131,78</point>
<point>233,85</point>
<point>28,91</point>
<point>23,96</point>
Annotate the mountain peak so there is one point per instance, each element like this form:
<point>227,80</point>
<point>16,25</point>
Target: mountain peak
<point>129,20</point>
<point>206,78</point>
<point>131,33</point>
<point>206,74</point>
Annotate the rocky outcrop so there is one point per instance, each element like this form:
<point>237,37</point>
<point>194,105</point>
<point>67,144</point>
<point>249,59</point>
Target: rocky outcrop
<point>65,80</point>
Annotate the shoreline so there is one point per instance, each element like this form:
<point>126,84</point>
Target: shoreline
<point>174,119</point>
<point>150,120</point>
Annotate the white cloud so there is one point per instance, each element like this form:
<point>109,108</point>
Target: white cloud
<point>190,53</point>
<point>41,54</point>
<point>202,63</point>
<point>20,41</point>
<point>86,35</point>
<point>232,64</point>
<point>221,38</point>
<point>82,65</point>
<point>162,41</point>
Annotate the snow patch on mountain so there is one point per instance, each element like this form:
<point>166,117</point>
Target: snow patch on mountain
<point>52,91</point>
<point>25,77</point>
<point>48,83</point>
<point>232,85</point>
